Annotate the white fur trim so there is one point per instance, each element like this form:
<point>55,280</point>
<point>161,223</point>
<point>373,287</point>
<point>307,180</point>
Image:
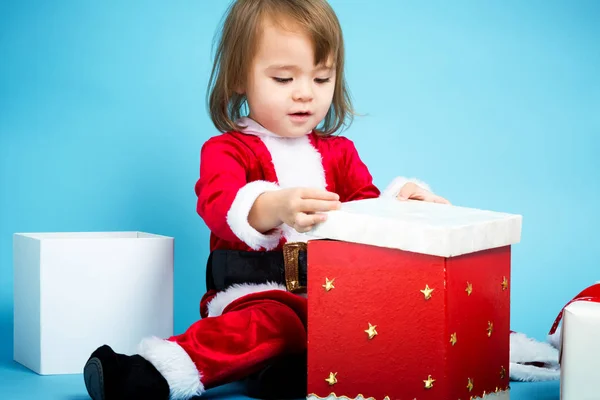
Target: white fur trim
<point>394,187</point>
<point>531,373</point>
<point>237,216</point>
<point>234,292</point>
<point>525,350</point>
<point>175,365</point>
<point>296,161</point>
<point>297,164</point>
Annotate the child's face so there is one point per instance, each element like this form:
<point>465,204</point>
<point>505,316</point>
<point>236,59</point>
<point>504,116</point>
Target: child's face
<point>286,92</point>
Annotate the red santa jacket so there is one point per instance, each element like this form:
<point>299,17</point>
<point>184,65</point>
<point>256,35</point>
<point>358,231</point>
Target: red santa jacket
<point>236,167</point>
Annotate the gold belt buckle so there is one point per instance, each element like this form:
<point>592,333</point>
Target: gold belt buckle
<point>291,252</point>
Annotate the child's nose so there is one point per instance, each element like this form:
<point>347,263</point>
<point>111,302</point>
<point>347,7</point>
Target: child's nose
<point>303,92</point>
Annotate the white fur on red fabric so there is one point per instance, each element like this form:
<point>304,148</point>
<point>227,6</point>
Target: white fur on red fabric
<point>234,292</point>
<point>175,365</point>
<point>526,350</point>
<point>395,185</point>
<point>237,217</point>
<point>297,163</point>
<point>531,373</point>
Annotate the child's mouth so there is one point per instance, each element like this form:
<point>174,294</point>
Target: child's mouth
<point>300,117</point>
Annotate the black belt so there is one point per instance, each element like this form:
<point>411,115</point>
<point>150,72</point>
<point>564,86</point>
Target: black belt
<point>230,267</point>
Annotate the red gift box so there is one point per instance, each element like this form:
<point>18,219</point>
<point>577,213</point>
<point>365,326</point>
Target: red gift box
<point>395,323</point>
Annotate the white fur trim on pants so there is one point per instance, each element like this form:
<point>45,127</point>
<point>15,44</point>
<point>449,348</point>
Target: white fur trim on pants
<point>237,216</point>
<point>394,187</point>
<point>234,292</point>
<point>175,365</point>
<point>526,350</point>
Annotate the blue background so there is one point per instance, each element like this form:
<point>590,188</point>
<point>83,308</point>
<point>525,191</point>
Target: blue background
<point>495,104</point>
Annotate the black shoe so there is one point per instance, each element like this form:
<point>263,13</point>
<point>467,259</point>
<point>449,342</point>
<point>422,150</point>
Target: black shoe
<point>284,378</point>
<point>112,376</point>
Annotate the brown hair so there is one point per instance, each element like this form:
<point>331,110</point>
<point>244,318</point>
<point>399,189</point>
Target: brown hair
<point>238,42</point>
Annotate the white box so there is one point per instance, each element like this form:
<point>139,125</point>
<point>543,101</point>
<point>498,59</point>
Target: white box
<point>74,292</point>
<point>580,352</point>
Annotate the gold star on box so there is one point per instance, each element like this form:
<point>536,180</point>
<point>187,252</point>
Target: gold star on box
<point>504,283</point>
<point>453,338</point>
<point>427,292</point>
<point>371,331</point>
<point>332,380</point>
<point>329,284</point>
<point>502,372</point>
<point>469,289</point>
<point>490,328</point>
<point>470,384</point>
<point>429,382</point>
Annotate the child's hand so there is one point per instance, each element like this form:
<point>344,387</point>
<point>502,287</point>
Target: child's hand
<point>413,191</point>
<point>301,208</point>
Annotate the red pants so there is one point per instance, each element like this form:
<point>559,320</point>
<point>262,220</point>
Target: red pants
<point>251,331</point>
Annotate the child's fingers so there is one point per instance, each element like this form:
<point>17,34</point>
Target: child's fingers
<point>318,194</point>
<point>408,191</point>
<point>311,206</point>
<point>440,200</point>
<point>416,195</point>
<point>304,222</point>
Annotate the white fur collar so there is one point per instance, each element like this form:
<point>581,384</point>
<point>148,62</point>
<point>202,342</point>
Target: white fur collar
<point>296,162</point>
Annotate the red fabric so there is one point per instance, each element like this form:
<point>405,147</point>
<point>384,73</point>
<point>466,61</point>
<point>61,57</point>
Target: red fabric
<point>231,160</point>
<point>384,287</point>
<point>208,296</point>
<point>252,330</point>
<point>346,174</point>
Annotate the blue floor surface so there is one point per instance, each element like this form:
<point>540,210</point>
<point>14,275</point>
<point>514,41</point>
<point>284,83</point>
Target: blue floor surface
<point>19,383</point>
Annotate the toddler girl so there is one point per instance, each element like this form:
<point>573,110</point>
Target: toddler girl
<point>278,95</point>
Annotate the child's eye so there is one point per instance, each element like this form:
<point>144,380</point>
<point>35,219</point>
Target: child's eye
<point>282,80</point>
<point>322,80</point>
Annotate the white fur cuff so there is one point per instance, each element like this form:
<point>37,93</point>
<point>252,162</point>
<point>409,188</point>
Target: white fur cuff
<point>234,292</point>
<point>524,351</point>
<point>175,365</point>
<point>237,217</point>
<point>532,373</point>
<point>394,187</point>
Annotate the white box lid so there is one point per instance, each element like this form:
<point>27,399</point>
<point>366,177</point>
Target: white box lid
<point>91,235</point>
<point>421,227</point>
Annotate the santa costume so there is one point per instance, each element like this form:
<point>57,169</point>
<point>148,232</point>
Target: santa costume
<point>253,323</point>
